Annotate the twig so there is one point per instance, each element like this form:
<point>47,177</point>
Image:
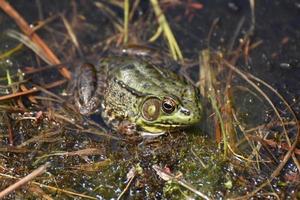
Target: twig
<point>72,35</point>
<point>9,130</point>
<point>127,187</point>
<point>24,180</point>
<point>272,143</point>
<point>288,155</point>
<point>126,20</point>
<point>246,78</point>
<point>32,90</point>
<point>252,6</point>
<point>11,51</point>
<point>55,189</point>
<point>24,26</point>
<point>175,50</point>
<point>167,177</point>
<point>33,70</point>
<point>291,111</point>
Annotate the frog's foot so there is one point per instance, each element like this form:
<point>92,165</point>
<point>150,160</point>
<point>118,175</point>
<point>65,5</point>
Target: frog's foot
<point>126,128</point>
<point>89,107</point>
<point>87,89</point>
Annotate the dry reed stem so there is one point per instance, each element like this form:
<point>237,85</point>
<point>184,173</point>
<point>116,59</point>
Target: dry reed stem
<point>170,177</point>
<point>24,26</point>
<point>55,189</point>
<point>24,180</point>
<point>290,152</point>
<point>32,90</point>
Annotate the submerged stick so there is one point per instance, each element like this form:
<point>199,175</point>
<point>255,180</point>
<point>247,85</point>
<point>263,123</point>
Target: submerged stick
<point>24,26</point>
<point>170,177</point>
<point>292,146</point>
<point>24,180</point>
<point>32,90</point>
<point>54,189</point>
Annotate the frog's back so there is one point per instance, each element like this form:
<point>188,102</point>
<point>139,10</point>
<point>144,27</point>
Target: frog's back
<point>143,77</point>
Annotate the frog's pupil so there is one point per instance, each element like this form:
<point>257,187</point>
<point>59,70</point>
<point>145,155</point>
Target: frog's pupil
<point>168,106</point>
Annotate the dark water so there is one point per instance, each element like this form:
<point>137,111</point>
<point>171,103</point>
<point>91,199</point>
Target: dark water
<point>273,61</point>
<point>276,60</point>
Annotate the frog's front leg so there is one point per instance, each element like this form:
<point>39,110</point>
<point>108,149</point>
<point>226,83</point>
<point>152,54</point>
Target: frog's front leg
<point>126,128</point>
<point>87,99</point>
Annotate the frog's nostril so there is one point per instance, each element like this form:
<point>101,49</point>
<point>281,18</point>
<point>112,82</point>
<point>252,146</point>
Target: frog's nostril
<point>185,111</point>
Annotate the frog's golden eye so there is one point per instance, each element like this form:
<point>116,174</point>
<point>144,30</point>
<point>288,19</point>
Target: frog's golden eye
<point>168,105</point>
<point>151,109</point>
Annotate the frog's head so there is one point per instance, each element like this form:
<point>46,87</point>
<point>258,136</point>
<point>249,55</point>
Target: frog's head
<point>160,113</point>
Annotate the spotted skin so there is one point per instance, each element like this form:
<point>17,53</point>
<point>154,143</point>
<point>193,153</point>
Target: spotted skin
<point>124,84</point>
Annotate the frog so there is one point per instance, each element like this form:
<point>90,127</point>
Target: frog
<point>137,95</point>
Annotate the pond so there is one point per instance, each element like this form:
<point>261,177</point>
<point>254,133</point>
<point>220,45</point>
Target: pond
<point>243,56</point>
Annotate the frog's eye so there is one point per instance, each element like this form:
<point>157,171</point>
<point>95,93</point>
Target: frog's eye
<point>151,109</point>
<point>168,105</point>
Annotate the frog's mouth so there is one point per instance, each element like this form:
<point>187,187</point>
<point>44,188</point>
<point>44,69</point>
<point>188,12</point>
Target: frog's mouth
<point>160,129</point>
<point>156,131</point>
<point>157,128</point>
<point>165,125</point>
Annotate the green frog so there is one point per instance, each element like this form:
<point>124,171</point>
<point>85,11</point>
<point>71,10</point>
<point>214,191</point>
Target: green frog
<point>135,95</point>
